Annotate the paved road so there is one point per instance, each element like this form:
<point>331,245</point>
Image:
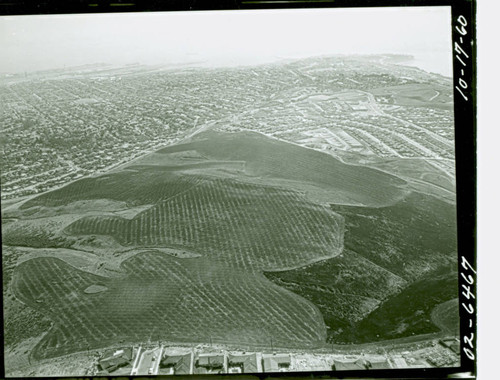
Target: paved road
<point>136,361</point>
<point>435,96</point>
<point>149,362</point>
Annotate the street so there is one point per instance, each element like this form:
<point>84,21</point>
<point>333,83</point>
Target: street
<point>149,362</point>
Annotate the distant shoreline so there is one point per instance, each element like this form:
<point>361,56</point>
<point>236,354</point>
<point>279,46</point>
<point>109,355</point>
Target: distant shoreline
<point>422,61</point>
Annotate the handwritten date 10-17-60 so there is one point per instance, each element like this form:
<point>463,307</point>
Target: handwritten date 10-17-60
<point>462,56</point>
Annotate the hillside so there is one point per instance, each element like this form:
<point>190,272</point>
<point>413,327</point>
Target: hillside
<point>194,224</point>
<point>399,262</point>
<point>174,246</point>
<point>160,297</point>
<point>239,224</point>
<point>297,167</point>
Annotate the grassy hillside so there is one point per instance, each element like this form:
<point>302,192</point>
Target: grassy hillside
<point>137,187</point>
<point>20,321</point>
<point>240,224</point>
<point>265,159</point>
<point>274,159</point>
<point>160,297</point>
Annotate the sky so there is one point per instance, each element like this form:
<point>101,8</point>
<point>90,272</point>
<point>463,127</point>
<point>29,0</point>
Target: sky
<point>224,38</point>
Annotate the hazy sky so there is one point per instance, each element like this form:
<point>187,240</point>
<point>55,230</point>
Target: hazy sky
<point>41,42</point>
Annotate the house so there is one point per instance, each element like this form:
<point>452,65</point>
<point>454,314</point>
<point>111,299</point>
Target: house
<point>177,364</point>
<point>451,343</point>
<point>349,364</point>
<point>276,363</point>
<point>400,362</point>
<point>242,363</point>
<point>378,363</point>
<point>114,359</point>
<point>210,363</point>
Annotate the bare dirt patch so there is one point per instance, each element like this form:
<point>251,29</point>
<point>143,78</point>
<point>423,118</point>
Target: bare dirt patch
<point>92,289</point>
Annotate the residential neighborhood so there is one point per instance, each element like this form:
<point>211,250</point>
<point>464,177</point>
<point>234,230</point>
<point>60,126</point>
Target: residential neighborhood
<point>207,359</point>
<point>58,128</point>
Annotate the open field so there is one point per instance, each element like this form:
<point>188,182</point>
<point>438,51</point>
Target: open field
<point>421,176</point>
<point>422,95</point>
<point>162,298</point>
<point>276,160</point>
<point>418,169</point>
<point>244,225</point>
<point>24,326</point>
<point>136,188</point>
